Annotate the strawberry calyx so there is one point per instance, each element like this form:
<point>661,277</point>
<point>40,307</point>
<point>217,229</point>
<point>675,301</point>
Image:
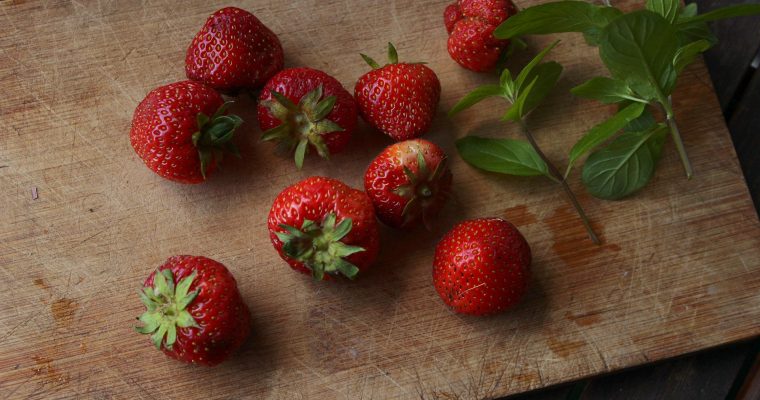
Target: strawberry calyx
<point>166,308</point>
<point>319,246</point>
<point>422,190</point>
<point>302,124</point>
<point>392,58</point>
<point>214,136</point>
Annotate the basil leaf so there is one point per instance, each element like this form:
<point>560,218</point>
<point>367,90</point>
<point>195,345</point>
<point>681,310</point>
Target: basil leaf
<point>547,75</point>
<point>626,165</point>
<point>639,48</point>
<point>475,97</point>
<point>686,54</point>
<point>739,10</point>
<point>603,131</point>
<point>606,90</point>
<point>667,8</point>
<point>505,156</point>
<point>556,17</point>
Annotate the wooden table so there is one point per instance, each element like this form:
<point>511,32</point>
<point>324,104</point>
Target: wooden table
<point>731,371</point>
<point>83,222</point>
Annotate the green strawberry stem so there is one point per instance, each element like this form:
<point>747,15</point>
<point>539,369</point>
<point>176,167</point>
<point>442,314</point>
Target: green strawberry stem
<point>561,180</point>
<point>214,136</point>
<point>302,124</point>
<point>667,108</point>
<point>166,308</point>
<point>319,246</point>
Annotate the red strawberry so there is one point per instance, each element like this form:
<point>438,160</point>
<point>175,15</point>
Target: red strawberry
<point>302,108</point>
<point>194,311</point>
<point>233,51</point>
<point>181,131</point>
<point>482,266</point>
<point>322,226</point>
<point>408,183</point>
<point>470,24</point>
<point>398,99</point>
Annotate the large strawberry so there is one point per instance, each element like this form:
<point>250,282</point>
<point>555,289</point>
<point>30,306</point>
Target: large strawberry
<point>408,183</point>
<point>182,130</point>
<point>470,24</point>
<point>322,226</point>
<point>194,311</point>
<point>303,108</point>
<point>233,51</point>
<point>398,99</point>
<point>482,266</point>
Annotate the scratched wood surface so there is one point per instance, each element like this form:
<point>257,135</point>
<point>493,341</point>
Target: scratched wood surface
<point>679,270</point>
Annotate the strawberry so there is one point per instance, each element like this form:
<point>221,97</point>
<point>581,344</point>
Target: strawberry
<point>408,183</point>
<point>398,99</point>
<point>182,130</point>
<point>233,51</point>
<point>323,226</point>
<point>481,266</point>
<point>470,24</point>
<point>302,108</point>
<point>195,313</point>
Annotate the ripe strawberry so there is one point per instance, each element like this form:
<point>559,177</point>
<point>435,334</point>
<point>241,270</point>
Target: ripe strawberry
<point>482,266</point>
<point>233,51</point>
<point>470,24</point>
<point>194,311</point>
<point>322,226</point>
<point>181,131</point>
<point>408,183</point>
<point>398,99</point>
<point>302,108</point>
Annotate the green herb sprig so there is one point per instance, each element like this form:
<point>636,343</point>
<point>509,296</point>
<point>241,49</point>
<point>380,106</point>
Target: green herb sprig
<point>644,52</point>
<point>511,156</point>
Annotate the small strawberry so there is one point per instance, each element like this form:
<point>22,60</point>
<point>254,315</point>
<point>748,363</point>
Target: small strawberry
<point>182,130</point>
<point>195,313</point>
<point>233,51</point>
<point>398,99</point>
<point>408,183</point>
<point>322,226</point>
<point>470,24</point>
<point>302,108</point>
<point>482,266</point>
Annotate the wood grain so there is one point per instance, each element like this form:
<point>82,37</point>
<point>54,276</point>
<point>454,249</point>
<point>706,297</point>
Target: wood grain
<point>679,270</point>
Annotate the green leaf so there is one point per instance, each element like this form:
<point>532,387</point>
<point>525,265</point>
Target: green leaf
<point>547,75</point>
<point>739,10</point>
<point>603,131</point>
<point>392,54</point>
<point>639,48</point>
<point>686,54</point>
<point>300,153</point>
<point>694,31</point>
<point>556,17</point>
<point>526,75</point>
<point>475,97</point>
<point>643,123</point>
<point>372,63</point>
<point>667,8</point>
<point>626,165</point>
<point>605,90</point>
<point>517,110</point>
<point>505,156</point>
<point>689,10</point>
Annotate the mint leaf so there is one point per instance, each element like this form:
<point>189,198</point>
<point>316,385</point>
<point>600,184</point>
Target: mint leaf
<point>639,48</point>
<point>603,131</point>
<point>516,111</point>
<point>689,10</point>
<point>526,75</point>
<point>694,31</point>
<point>605,90</point>
<point>644,122</point>
<point>547,75</point>
<point>626,165</point>
<point>475,97</point>
<point>686,54</point>
<point>740,10</point>
<point>556,17</point>
<point>505,156</point>
<point>667,8</point>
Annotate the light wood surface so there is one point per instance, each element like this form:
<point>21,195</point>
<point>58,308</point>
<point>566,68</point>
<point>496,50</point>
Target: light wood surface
<point>679,270</point>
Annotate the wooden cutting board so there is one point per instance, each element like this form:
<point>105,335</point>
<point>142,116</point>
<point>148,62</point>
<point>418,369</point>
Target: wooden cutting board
<point>679,270</point>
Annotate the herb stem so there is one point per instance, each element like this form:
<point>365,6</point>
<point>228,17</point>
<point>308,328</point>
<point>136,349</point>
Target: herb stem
<point>607,3</point>
<point>561,180</point>
<point>676,134</point>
